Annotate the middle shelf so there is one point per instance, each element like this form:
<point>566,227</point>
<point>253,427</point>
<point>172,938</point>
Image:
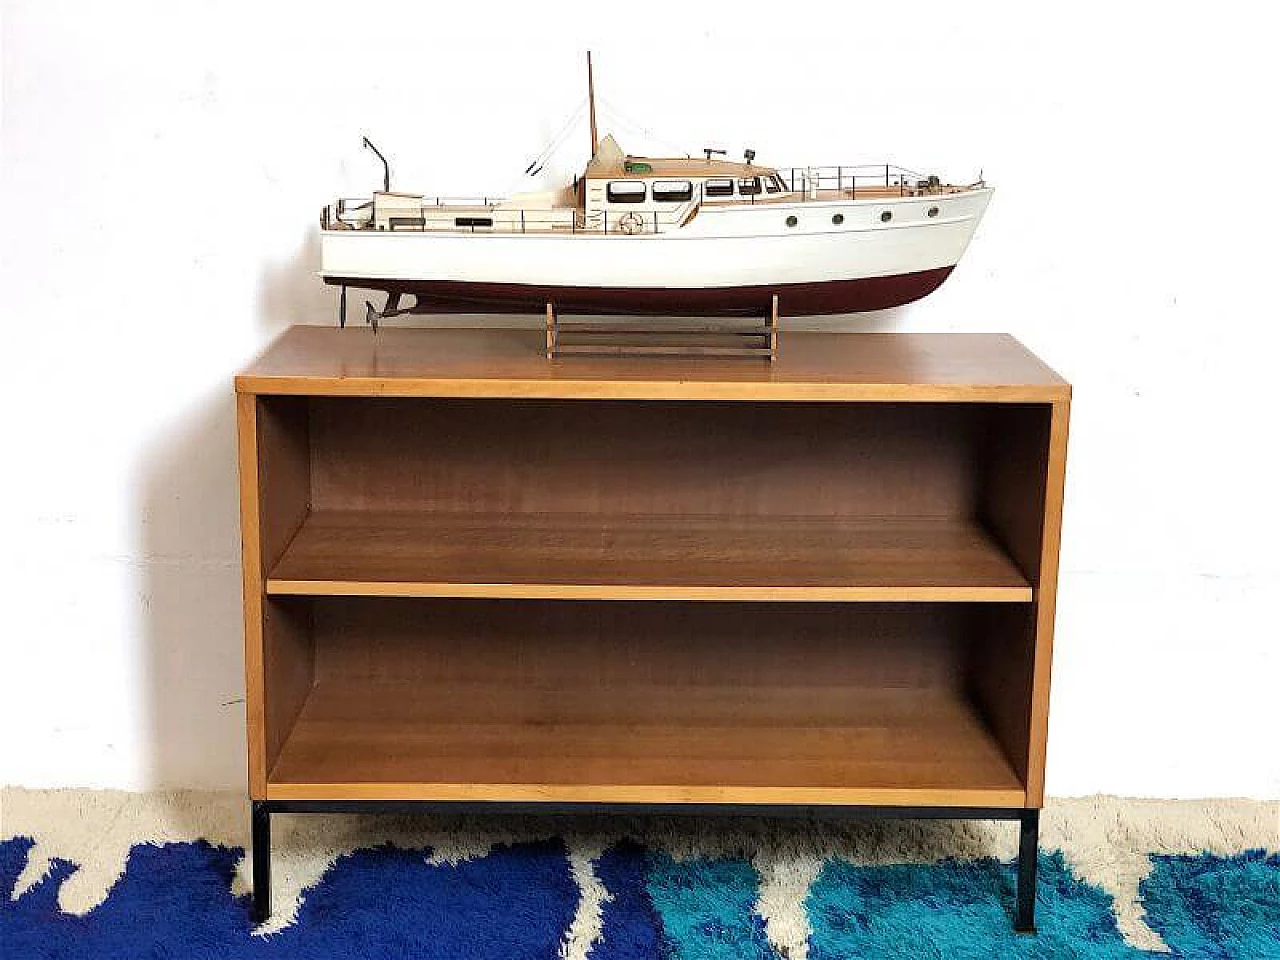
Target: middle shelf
<point>646,557</point>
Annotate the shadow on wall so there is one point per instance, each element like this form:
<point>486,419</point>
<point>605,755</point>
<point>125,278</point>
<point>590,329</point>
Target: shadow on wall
<point>292,292</point>
<point>190,599</point>
<point>188,535</point>
<point>878,321</point>
<point>188,516</point>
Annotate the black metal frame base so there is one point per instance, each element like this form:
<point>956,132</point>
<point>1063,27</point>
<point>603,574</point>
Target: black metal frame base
<point>1028,818</point>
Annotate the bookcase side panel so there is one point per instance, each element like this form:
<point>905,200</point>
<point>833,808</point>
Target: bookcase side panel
<point>1047,597</point>
<point>253,597</point>
<point>1020,503</point>
<point>275,491</point>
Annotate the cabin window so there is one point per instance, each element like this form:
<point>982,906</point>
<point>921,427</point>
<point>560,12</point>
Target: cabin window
<point>749,186</point>
<point>773,184</point>
<point>719,188</point>
<point>885,216</point>
<point>625,191</point>
<point>473,221</point>
<point>672,191</point>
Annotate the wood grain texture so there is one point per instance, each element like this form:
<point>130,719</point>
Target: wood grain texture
<point>665,794</point>
<point>512,364</point>
<point>274,466</point>
<point>1011,503</point>
<point>1020,502</point>
<point>1011,495</point>
<point>642,743</point>
<point>1001,650</point>
<point>1046,600</point>
<point>610,644</point>
<point>462,464</point>
<point>254,592</point>
<point>642,702</point>
<point>365,553</point>
<point>661,458</point>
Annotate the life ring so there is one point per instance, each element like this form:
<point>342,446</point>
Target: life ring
<point>631,223</point>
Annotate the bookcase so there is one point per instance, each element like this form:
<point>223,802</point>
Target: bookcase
<point>476,577</point>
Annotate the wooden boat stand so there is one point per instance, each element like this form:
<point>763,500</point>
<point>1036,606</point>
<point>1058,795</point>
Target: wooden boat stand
<point>662,336</point>
<point>631,335</point>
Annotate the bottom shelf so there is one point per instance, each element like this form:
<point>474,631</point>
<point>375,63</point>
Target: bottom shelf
<point>366,739</point>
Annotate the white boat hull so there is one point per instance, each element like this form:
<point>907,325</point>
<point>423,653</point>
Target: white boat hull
<point>727,259</point>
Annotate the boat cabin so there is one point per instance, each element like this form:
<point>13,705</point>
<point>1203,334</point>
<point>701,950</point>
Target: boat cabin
<point>621,193</point>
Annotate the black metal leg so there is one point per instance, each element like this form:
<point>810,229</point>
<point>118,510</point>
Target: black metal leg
<point>1028,857</point>
<point>342,306</point>
<point>261,861</point>
<point>1028,819</point>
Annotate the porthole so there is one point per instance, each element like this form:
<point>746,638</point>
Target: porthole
<point>838,219</point>
<point>933,211</point>
<point>886,216</point>
<point>792,221</point>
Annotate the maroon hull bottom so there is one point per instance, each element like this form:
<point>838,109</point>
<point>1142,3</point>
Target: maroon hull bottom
<point>794,299</point>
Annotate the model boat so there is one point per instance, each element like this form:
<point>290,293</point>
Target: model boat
<point>685,236</point>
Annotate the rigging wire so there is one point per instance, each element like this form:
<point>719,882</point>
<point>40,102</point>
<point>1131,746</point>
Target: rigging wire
<point>556,142</point>
<point>640,128</point>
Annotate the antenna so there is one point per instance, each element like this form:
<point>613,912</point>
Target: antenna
<point>591,100</point>
<point>386,167</point>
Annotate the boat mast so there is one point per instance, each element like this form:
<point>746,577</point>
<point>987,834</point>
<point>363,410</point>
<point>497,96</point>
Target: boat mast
<point>591,101</point>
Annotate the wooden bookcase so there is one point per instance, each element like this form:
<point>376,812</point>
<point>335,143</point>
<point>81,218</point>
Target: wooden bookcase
<point>473,575</point>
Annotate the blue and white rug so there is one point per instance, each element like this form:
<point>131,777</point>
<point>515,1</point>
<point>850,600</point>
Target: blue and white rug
<point>106,875</point>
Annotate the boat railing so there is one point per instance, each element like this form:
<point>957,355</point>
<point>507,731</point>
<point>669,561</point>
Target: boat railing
<point>490,216</point>
<point>873,179</point>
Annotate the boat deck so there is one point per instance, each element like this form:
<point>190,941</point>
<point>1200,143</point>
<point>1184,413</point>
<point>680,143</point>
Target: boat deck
<point>881,192</point>
<point>494,216</point>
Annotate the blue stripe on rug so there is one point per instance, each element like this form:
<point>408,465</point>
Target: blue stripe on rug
<point>1216,907</point>
<point>630,927</point>
<point>174,901</point>
<point>708,908</point>
<point>958,911</point>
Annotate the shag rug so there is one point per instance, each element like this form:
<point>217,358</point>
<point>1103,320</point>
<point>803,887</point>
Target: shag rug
<point>105,875</point>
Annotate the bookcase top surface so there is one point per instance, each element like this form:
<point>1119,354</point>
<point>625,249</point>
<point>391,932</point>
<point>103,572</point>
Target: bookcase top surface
<point>507,363</point>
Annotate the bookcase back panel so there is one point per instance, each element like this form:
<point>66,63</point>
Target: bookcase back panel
<point>629,457</point>
<point>613,644</point>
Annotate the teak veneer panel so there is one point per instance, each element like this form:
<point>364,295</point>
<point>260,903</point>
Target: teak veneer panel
<point>512,364</point>
<point>642,702</point>
<point>647,457</point>
<point>275,491</point>
<point>397,554</point>
<point>639,743</point>
<point>608,644</point>
<point>1021,504</point>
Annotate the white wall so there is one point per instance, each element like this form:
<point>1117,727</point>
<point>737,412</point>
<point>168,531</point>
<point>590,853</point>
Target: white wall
<point>164,164</point>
